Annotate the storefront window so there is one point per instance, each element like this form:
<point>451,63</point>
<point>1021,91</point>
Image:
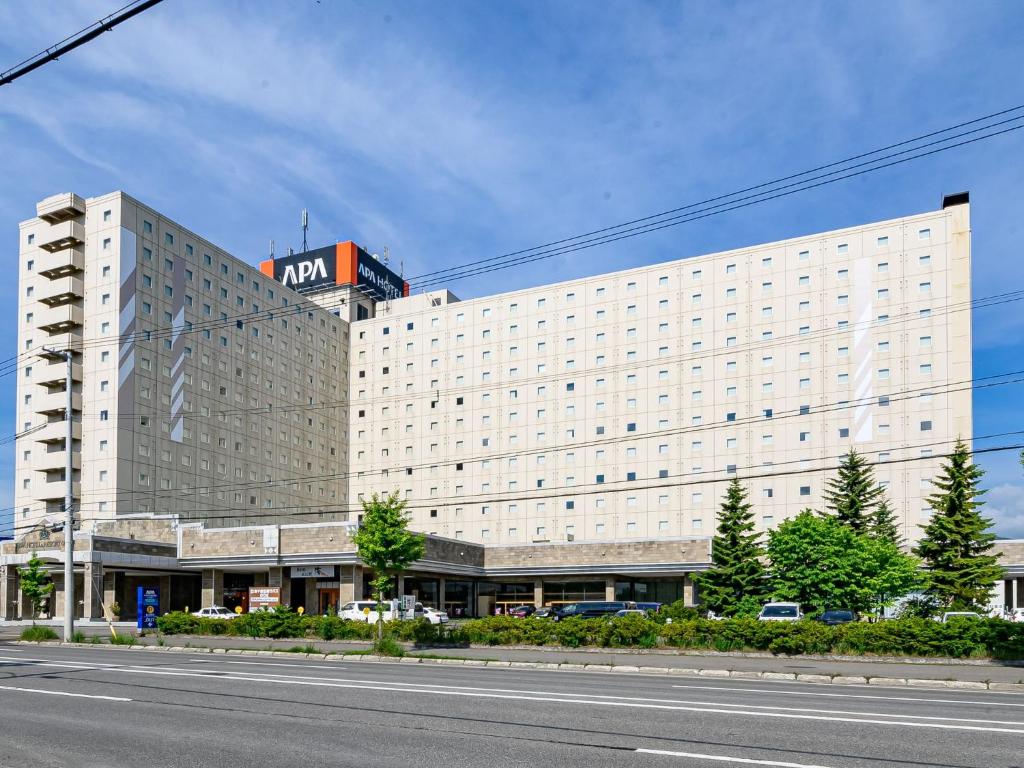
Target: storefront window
<point>558,592</point>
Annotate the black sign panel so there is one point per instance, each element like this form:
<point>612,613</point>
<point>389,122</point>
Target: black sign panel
<point>307,270</point>
<point>376,279</point>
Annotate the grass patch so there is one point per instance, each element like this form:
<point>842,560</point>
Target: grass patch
<point>78,636</point>
<point>388,647</point>
<point>122,640</point>
<point>38,634</point>
<point>454,658</point>
<point>95,640</point>
<point>304,649</point>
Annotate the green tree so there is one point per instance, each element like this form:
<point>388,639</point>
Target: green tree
<point>882,524</point>
<point>853,495</point>
<point>957,541</point>
<point>385,543</point>
<point>36,584</point>
<point>736,581</point>
<point>821,563</point>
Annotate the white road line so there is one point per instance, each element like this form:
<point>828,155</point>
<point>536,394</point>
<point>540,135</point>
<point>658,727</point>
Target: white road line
<point>870,719</point>
<point>726,759</point>
<point>579,694</point>
<point>62,693</point>
<point>852,696</point>
<point>283,664</point>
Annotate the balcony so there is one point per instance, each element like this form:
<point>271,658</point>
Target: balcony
<point>56,402</point>
<point>60,263</point>
<point>56,431</point>
<point>62,207</point>
<point>54,460</point>
<point>54,373</point>
<point>60,318</point>
<point>67,234</point>
<point>53,490</point>
<point>62,290</point>
<point>59,342</point>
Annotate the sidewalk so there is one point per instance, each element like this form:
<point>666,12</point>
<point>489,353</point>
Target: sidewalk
<point>851,670</point>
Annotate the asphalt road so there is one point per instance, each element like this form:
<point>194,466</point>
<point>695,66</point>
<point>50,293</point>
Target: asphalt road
<point>104,708</point>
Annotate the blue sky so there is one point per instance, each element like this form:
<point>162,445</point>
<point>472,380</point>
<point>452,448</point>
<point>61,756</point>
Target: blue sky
<point>455,131</point>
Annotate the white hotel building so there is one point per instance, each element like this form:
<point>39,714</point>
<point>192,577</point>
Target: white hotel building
<point>543,432</point>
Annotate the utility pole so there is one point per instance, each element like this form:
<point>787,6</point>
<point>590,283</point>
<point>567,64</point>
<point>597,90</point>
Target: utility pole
<point>69,494</point>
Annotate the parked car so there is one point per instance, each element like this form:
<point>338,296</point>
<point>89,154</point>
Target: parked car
<point>522,611</point>
<point>544,612</point>
<point>649,606</point>
<point>959,615</point>
<point>215,612</point>
<point>780,612</point>
<point>434,616</point>
<point>837,616</point>
<point>592,608</point>
<point>363,610</point>
<point>630,612</point>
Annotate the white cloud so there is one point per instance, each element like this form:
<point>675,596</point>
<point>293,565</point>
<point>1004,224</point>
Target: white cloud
<point>1005,505</point>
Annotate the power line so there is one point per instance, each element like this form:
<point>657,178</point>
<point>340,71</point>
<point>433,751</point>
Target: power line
<point>76,40</point>
<point>591,491</point>
<point>470,270</point>
<point>718,198</point>
<point>581,445</point>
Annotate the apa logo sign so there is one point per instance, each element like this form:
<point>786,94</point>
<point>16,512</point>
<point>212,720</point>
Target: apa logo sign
<point>304,272</point>
<point>308,269</point>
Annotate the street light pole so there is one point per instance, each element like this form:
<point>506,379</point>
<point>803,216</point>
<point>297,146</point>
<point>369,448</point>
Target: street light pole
<point>69,492</point>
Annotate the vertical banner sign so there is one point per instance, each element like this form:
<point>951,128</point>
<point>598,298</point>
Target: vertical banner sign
<point>148,604</point>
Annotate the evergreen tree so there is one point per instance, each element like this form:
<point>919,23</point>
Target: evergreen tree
<point>854,494</point>
<point>956,543</point>
<point>882,524</point>
<point>736,581</point>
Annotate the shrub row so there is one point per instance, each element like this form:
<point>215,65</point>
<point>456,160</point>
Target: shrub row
<point>905,637</point>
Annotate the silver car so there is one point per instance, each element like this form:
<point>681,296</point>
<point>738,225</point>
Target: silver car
<point>780,612</point>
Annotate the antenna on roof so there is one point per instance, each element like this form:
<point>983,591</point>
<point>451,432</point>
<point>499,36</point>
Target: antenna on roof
<point>305,226</point>
<point>387,255</point>
<point>290,251</point>
<point>271,250</point>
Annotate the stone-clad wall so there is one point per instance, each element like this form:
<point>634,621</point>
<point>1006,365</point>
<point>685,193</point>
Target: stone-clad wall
<point>147,530</point>
<point>299,539</point>
<point>452,551</point>
<point>1011,552</point>
<point>538,555</point>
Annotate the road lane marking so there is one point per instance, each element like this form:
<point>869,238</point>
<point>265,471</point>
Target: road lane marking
<point>281,664</point>
<point>620,698</point>
<point>62,693</point>
<point>867,718</point>
<point>726,759</point>
<point>853,696</point>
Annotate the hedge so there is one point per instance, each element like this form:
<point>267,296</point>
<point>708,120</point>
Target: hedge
<point>965,638</point>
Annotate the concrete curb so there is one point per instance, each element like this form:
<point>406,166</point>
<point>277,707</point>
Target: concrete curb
<point>816,679</point>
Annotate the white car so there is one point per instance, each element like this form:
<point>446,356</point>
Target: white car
<point>780,612</point>
<point>215,612</point>
<point>363,610</point>
<point>434,616</point>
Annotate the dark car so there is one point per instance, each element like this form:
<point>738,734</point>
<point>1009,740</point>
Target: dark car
<point>546,612</point>
<point>831,618</point>
<point>522,611</point>
<point>591,608</point>
<point>649,606</point>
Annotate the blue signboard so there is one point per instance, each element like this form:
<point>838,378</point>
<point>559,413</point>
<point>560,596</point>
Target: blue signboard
<point>148,604</point>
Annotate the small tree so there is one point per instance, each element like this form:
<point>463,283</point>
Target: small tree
<point>820,563</point>
<point>385,543</point>
<point>36,584</point>
<point>957,541</point>
<point>736,581</point>
<point>853,494</point>
<point>882,524</point>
